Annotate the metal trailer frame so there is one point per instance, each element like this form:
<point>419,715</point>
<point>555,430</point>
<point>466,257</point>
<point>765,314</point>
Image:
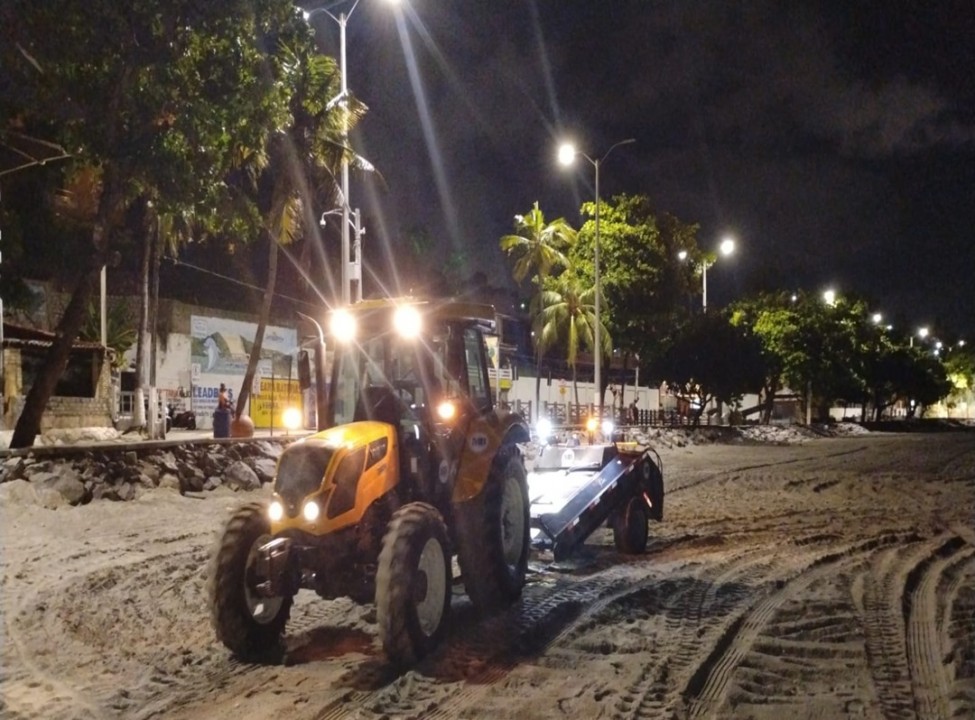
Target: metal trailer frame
<point>574,490</point>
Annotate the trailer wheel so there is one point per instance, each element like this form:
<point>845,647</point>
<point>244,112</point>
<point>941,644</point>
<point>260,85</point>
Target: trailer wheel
<point>630,526</point>
<point>413,584</point>
<point>250,625</point>
<point>493,534</point>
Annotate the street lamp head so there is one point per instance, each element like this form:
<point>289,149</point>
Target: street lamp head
<point>567,153</point>
<point>682,255</point>
<point>877,317</point>
<point>829,297</point>
<point>922,332</point>
<point>727,246</point>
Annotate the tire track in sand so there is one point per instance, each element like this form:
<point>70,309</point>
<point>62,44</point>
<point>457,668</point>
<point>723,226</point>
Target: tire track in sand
<point>903,641</point>
<point>706,689</point>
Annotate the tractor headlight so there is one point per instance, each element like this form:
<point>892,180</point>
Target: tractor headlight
<point>343,326</point>
<point>544,428</point>
<point>407,321</point>
<point>446,410</point>
<point>311,511</point>
<point>275,510</point>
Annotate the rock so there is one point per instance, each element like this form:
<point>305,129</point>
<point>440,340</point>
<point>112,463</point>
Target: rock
<point>104,492</point>
<point>68,486</point>
<point>239,476</point>
<point>126,491</point>
<point>264,467</point>
<point>12,469</point>
<point>212,483</point>
<point>18,492</point>
<point>169,481</point>
<point>167,463</point>
<point>131,457</point>
<point>50,498</point>
<point>143,480</point>
<point>151,471</point>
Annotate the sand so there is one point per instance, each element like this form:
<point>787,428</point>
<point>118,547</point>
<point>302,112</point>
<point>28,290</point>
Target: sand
<point>832,578</point>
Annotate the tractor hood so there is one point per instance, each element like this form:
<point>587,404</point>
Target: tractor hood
<point>312,464</point>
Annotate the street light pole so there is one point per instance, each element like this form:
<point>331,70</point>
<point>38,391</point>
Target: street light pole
<point>346,294</point>
<point>342,19</point>
<point>567,154</point>
<point>704,286</point>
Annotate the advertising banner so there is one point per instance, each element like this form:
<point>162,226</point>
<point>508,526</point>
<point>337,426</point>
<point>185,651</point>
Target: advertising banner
<point>219,353</point>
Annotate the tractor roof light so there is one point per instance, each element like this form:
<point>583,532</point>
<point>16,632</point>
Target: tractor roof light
<point>343,326</point>
<point>446,410</point>
<point>407,321</point>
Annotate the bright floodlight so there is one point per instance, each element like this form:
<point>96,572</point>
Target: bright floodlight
<point>446,410</point>
<point>567,153</point>
<point>829,297</point>
<point>682,255</point>
<point>877,317</point>
<point>291,417</point>
<point>608,428</point>
<point>922,332</point>
<point>543,427</point>
<point>343,326</point>
<point>727,246</point>
<point>407,321</point>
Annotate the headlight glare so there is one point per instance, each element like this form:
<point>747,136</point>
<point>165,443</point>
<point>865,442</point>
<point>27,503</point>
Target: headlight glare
<point>407,321</point>
<point>446,410</point>
<point>311,511</point>
<point>275,511</point>
<point>343,326</point>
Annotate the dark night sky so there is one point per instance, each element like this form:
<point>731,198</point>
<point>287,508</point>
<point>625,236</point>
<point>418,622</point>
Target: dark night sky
<point>834,140</point>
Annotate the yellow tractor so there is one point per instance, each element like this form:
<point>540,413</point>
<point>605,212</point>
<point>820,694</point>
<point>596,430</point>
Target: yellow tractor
<point>417,464</point>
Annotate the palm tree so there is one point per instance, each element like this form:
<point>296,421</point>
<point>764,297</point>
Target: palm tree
<point>540,248</point>
<point>299,163</point>
<point>565,311</point>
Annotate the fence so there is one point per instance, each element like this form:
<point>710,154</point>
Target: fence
<point>571,415</point>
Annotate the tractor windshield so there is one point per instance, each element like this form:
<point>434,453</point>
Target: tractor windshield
<point>384,378</point>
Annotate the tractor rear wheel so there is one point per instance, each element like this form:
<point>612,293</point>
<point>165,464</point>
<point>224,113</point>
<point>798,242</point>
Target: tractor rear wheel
<point>630,526</point>
<point>248,623</point>
<point>413,584</point>
<point>493,533</point>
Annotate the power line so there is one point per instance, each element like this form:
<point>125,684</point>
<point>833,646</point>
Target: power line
<point>236,281</point>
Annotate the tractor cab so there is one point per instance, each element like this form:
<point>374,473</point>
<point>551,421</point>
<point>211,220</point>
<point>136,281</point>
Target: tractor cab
<point>409,364</point>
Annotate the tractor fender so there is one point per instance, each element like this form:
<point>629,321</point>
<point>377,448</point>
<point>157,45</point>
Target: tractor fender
<point>485,437</point>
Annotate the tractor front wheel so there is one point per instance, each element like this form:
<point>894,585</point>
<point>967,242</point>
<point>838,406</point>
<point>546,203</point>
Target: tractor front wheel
<point>413,584</point>
<point>248,623</point>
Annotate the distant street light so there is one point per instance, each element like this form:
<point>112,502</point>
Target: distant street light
<point>829,297</point>
<point>877,317</point>
<point>922,333</point>
<point>567,155</point>
<point>726,248</point>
